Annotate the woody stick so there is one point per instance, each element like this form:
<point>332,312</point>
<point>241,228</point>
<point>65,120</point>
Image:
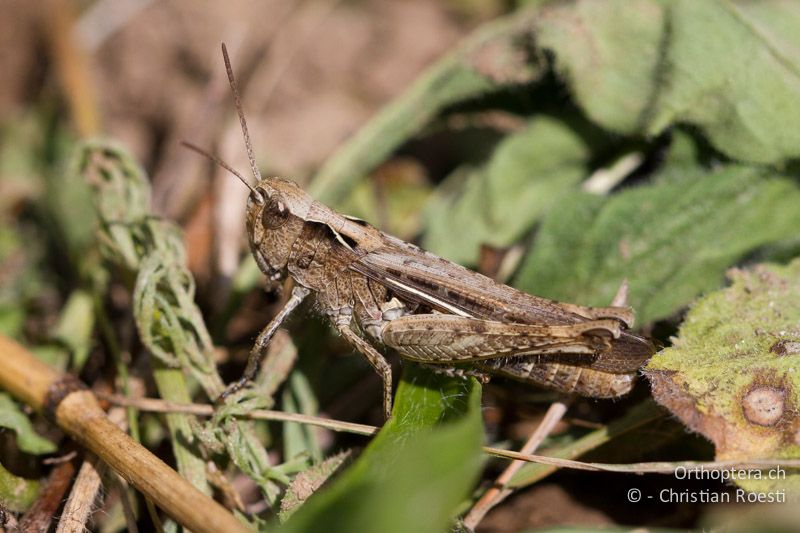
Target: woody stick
<point>67,402</point>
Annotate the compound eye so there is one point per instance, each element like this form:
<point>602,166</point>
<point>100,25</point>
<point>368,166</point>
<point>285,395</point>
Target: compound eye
<point>258,195</point>
<point>275,214</point>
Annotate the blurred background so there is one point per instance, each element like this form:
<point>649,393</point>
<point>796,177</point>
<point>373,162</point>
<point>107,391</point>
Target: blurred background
<point>554,146</point>
<point>150,74</point>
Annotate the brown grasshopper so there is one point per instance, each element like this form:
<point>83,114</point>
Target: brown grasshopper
<point>428,309</point>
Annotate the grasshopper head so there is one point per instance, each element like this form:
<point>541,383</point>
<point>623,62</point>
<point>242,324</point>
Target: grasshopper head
<point>276,210</point>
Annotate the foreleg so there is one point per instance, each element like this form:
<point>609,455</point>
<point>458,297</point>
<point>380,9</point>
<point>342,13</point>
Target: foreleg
<point>260,347</point>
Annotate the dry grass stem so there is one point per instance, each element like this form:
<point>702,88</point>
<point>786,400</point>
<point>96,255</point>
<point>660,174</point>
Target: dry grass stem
<point>160,406</point>
<point>665,467</point>
<point>498,492</point>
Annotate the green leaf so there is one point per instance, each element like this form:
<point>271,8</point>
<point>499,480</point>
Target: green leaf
<point>17,494</point>
<point>607,51</point>
<point>672,240</point>
<point>20,276</point>
<point>731,374</point>
<point>300,439</point>
<point>527,175</point>
<point>75,326</point>
<point>13,418</point>
<point>730,68</point>
<point>416,471</point>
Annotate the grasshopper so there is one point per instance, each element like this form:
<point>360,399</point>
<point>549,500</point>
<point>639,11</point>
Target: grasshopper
<point>379,290</point>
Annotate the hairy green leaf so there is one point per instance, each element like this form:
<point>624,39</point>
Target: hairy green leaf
<point>729,67</point>
<point>638,416</point>
<point>496,204</point>
<point>671,240</point>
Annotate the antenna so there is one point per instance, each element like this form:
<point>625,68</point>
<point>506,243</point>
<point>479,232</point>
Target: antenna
<point>221,163</point>
<point>242,121</point>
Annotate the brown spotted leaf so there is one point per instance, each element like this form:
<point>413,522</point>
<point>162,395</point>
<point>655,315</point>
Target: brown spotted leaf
<point>731,374</point>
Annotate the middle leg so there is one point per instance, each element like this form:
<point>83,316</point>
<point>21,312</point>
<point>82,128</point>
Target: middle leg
<point>377,361</point>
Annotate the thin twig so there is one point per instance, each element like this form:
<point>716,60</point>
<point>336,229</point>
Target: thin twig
<point>87,487</point>
<point>498,492</point>
<point>80,504</point>
<point>60,459</point>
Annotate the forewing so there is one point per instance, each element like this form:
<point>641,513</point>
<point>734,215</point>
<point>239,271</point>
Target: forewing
<point>421,277</point>
<point>424,278</point>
